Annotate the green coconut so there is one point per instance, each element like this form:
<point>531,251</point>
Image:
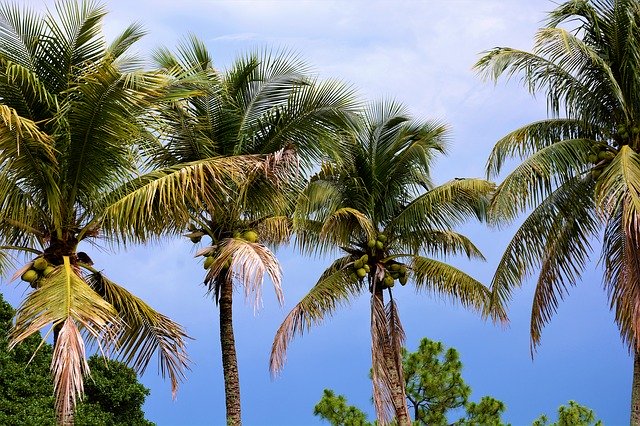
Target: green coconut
<point>365,258</point>
<point>403,269</point>
<point>366,267</point>
<point>382,238</point>
<point>394,267</point>
<point>379,245</point>
<point>30,276</point>
<point>40,264</point>
<point>404,279</point>
<point>593,158</point>
<point>208,261</point>
<point>48,271</point>
<point>195,240</point>
<point>358,264</point>
<point>388,281</point>
<point>251,236</point>
<point>371,243</point>
<point>361,273</point>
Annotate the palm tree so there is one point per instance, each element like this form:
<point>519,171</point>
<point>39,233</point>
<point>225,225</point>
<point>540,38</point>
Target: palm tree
<point>579,178</point>
<point>70,125</point>
<point>378,205</point>
<point>265,104</point>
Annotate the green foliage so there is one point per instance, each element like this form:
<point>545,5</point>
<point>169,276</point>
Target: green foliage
<point>113,395</point>
<point>573,414</point>
<point>434,383</point>
<point>335,410</point>
<point>434,389</point>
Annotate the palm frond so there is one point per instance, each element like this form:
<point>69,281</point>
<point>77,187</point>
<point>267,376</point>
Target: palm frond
<point>381,370</point>
<point>527,249</point>
<point>146,332</point>
<point>249,262</point>
<point>334,288</point>
<point>441,279</point>
<point>537,177</point>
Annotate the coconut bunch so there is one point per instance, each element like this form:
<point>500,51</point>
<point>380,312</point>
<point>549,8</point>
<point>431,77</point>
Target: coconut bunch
<point>39,268</point>
<point>250,236</point>
<point>376,254</point>
<point>600,157</point>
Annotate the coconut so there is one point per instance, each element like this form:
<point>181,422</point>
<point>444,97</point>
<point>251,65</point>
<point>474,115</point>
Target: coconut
<point>388,281</point>
<point>251,236</point>
<point>195,240</point>
<point>382,238</point>
<point>48,271</point>
<point>40,264</point>
<point>29,276</point>
<point>208,261</point>
<point>404,279</point>
<point>403,269</point>
<point>361,273</point>
<point>593,158</point>
<point>365,258</point>
<point>371,243</point>
<point>394,267</point>
<point>358,264</point>
<point>379,245</point>
<point>366,267</point>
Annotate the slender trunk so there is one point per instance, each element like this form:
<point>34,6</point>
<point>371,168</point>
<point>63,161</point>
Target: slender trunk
<point>635,390</point>
<point>229,360</point>
<point>398,397</point>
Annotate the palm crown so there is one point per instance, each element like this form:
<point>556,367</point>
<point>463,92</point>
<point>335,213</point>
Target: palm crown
<point>377,204</point>
<point>69,118</point>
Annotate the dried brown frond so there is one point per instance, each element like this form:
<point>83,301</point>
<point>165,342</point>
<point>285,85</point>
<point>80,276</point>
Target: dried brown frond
<point>381,378</point>
<point>68,367</point>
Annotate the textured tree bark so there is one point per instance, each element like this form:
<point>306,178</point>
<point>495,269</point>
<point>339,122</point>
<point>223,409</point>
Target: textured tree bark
<point>398,395</point>
<point>635,391</point>
<point>229,359</point>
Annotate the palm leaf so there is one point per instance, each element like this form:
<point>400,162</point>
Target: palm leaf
<point>146,332</point>
<point>334,288</point>
<point>447,281</point>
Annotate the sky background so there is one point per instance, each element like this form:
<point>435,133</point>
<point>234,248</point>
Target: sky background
<point>420,53</point>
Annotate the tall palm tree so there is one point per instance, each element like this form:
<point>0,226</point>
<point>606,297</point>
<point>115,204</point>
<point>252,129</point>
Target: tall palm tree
<point>379,207</point>
<point>266,103</point>
<point>70,109</point>
<point>580,172</point>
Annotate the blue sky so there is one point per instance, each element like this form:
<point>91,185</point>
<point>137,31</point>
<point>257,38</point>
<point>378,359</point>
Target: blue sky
<point>420,53</point>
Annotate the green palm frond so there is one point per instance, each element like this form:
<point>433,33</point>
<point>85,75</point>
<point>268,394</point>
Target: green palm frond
<point>444,206</point>
<point>440,279</point>
<point>334,288</point>
<point>527,249</point>
<point>146,332</point>
<point>344,224</point>
<point>537,177</point>
<point>529,139</point>
<point>620,182</point>
<point>162,199</point>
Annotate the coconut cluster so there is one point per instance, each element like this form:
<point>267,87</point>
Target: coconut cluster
<point>600,157</point>
<point>39,268</point>
<point>375,254</point>
<point>249,236</point>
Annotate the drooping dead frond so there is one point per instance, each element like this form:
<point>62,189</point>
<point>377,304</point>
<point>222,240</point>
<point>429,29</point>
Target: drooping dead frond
<point>380,373</point>
<point>68,366</point>
<point>396,338</point>
<point>249,262</point>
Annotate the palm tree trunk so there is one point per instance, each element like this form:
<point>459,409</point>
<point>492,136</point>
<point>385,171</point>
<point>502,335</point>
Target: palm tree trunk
<point>398,397</point>
<point>229,359</point>
<point>635,390</point>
